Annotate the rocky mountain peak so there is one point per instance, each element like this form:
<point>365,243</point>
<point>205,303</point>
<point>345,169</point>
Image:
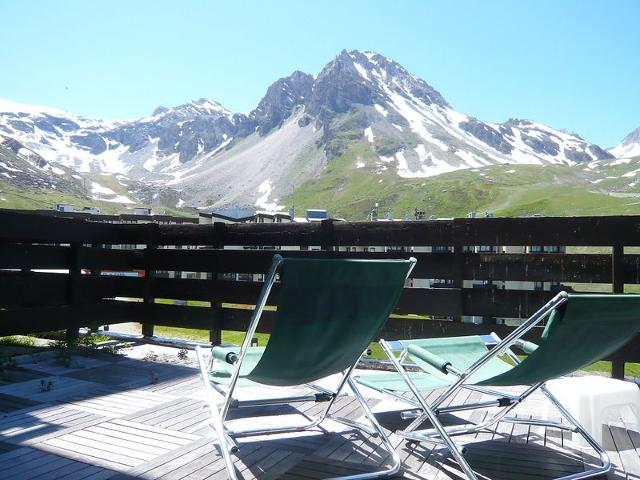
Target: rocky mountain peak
<point>195,108</point>
<point>338,86</point>
<point>366,78</point>
<point>629,147</point>
<point>633,137</point>
<point>281,100</point>
<point>159,111</point>
<point>384,71</point>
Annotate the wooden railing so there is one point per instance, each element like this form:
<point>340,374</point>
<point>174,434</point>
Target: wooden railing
<point>78,293</point>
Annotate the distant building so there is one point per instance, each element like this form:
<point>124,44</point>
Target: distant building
<point>91,210</point>
<point>64,207</point>
<point>242,215</point>
<point>312,215</point>
<point>142,211</point>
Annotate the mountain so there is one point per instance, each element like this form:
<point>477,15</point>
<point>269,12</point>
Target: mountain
<point>629,147</point>
<point>24,168</point>
<point>362,108</point>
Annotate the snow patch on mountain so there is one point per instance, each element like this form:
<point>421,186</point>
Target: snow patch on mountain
<point>368,133</point>
<point>629,147</point>
<point>381,109</point>
<point>223,158</point>
<point>265,189</point>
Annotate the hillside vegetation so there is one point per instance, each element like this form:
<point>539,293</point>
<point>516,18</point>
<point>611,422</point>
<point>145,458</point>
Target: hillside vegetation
<point>353,182</point>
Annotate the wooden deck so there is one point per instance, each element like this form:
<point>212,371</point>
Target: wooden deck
<point>120,418</point>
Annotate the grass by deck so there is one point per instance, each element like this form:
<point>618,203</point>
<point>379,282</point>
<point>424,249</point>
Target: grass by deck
<point>631,369</point>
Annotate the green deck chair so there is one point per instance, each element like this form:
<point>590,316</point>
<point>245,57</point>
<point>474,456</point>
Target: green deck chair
<point>582,329</point>
<point>328,312</point>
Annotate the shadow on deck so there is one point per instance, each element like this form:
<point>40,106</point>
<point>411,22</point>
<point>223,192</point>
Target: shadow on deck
<point>104,416</point>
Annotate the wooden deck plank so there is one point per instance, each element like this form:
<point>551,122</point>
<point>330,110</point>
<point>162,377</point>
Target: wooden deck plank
<point>17,457</point>
<point>115,454</point>
<point>617,471</point>
<point>9,403</point>
<point>30,436</point>
<point>180,454</point>
<point>40,466</point>
<point>114,435</point>
<point>63,389</point>
<point>156,430</point>
<point>626,449</point>
<point>150,414</point>
<point>179,469</point>
<point>118,404</point>
<point>76,470</point>
<point>124,427</point>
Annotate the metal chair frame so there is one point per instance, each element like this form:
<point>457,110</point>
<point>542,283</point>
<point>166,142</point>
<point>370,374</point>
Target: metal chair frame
<point>219,410</point>
<point>442,435</point>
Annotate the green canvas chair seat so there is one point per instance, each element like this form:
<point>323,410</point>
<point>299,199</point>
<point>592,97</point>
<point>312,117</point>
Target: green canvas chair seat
<point>328,311</point>
<point>460,352</point>
<point>581,330</point>
<point>585,329</point>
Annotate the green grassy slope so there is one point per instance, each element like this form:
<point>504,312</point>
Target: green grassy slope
<point>45,199</point>
<point>39,199</point>
<point>507,190</point>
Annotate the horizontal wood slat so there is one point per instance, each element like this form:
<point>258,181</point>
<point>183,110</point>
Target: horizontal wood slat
<point>35,301</point>
<point>582,268</point>
<point>40,289</point>
<point>584,231</point>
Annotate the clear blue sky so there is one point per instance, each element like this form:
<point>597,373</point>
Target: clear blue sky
<point>570,64</point>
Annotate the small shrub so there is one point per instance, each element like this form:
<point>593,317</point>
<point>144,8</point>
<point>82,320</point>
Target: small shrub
<point>17,341</point>
<point>150,357</point>
<point>52,335</point>
<point>65,348</point>
<point>112,349</point>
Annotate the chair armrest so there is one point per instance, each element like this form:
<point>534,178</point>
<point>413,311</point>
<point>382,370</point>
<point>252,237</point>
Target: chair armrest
<point>225,354</point>
<point>526,347</point>
<point>431,358</point>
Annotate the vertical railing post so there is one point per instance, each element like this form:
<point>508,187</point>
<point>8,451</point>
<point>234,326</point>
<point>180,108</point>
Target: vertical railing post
<point>149,274</point>
<point>215,334</point>
<point>74,296</point>
<point>326,227</point>
<point>458,277</point>
<point>617,286</point>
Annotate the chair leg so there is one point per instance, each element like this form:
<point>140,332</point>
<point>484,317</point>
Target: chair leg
<point>225,442</point>
<point>432,417</point>
<point>395,459</point>
<point>604,457</point>
<point>573,425</point>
